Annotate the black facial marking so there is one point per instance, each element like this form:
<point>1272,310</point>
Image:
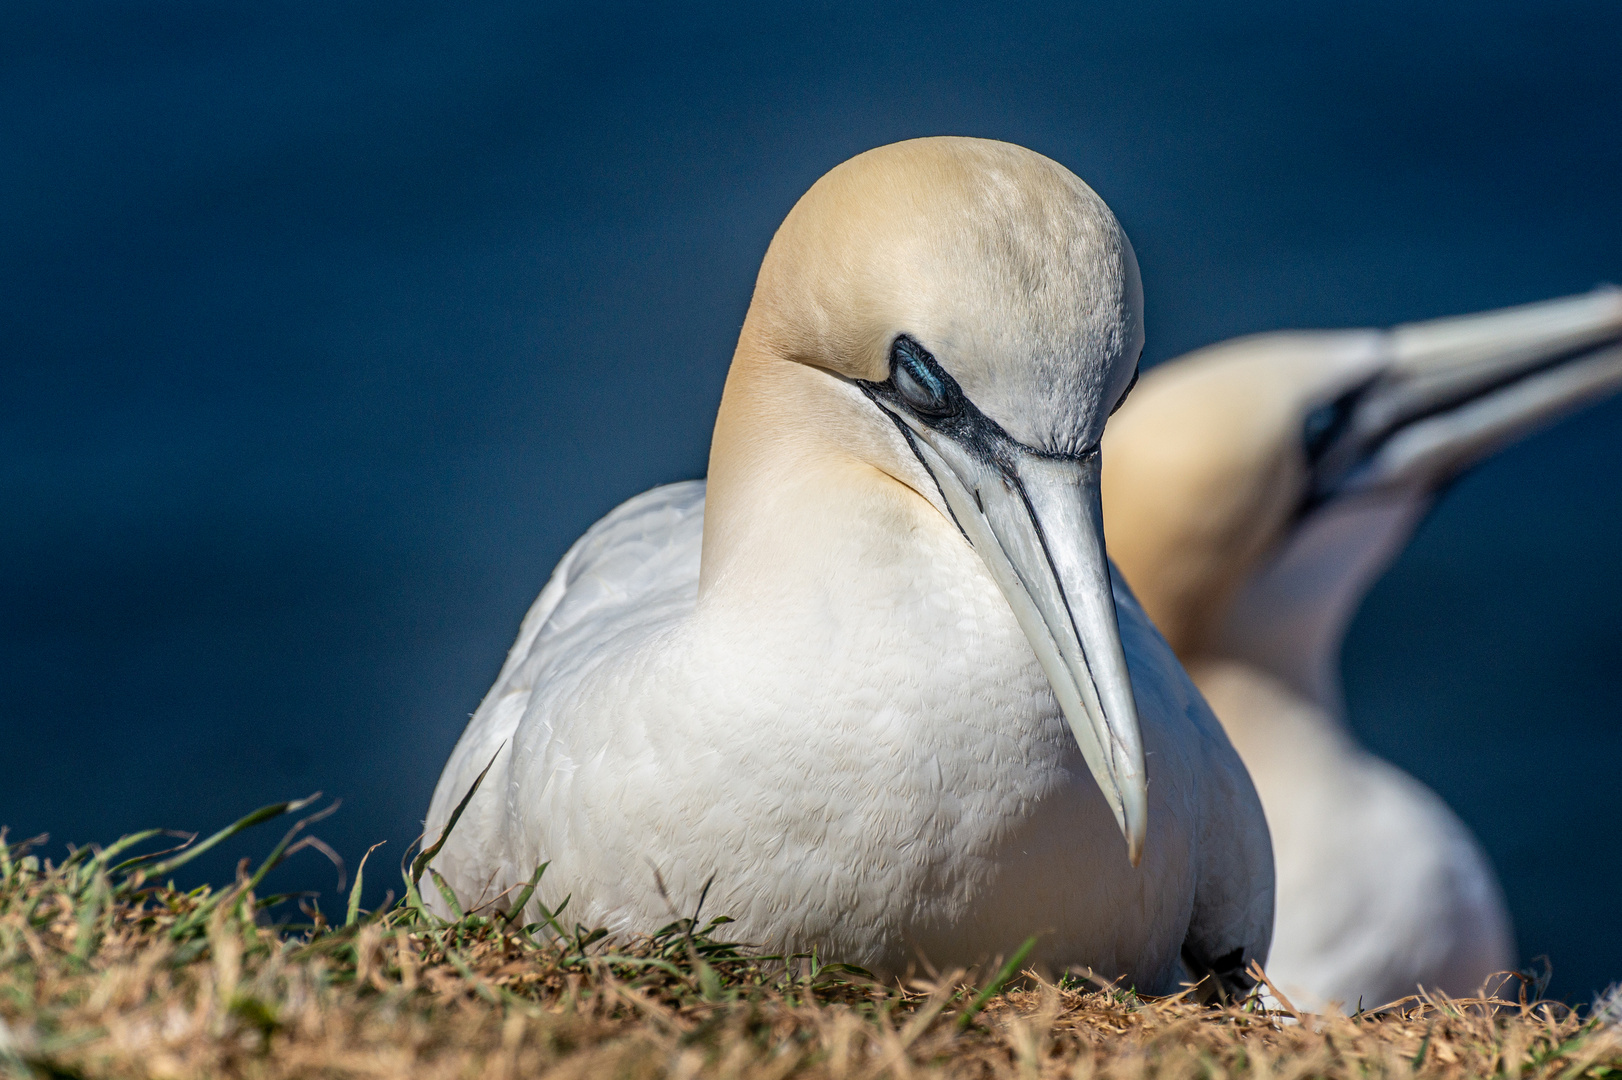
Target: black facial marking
<point>912,443</point>
<point>920,388</point>
<point>1324,434</point>
<point>1341,438</point>
<point>1328,422</point>
<point>918,382</point>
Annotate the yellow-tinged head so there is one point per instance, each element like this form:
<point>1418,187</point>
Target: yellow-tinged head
<point>1222,458</point>
<point>1204,468</point>
<point>1000,262</point>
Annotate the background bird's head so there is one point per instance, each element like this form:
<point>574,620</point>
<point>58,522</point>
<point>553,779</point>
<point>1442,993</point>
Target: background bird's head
<point>1286,469</point>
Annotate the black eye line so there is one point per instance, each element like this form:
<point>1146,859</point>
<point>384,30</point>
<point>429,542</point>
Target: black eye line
<point>1323,443</point>
<point>1324,429</point>
<point>952,394</point>
<point>1323,426</point>
<point>912,444</point>
<point>963,421</point>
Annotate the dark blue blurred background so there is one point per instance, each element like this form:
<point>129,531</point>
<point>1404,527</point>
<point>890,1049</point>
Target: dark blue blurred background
<point>327,326</point>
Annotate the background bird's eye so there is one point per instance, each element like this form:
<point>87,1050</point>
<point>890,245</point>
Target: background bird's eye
<point>916,383</point>
<point>1323,425</point>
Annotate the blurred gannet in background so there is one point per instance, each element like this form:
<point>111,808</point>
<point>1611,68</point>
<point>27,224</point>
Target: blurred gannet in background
<point>878,687</point>
<point>1254,490</point>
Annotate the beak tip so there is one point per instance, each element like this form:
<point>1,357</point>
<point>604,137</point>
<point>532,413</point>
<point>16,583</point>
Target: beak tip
<point>1133,818</point>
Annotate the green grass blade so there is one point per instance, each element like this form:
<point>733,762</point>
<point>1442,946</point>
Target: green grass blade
<point>550,919</point>
<point>124,843</point>
<point>446,893</point>
<point>521,901</point>
<point>1424,1045</point>
<point>100,894</point>
<point>420,863</point>
<point>128,866</point>
<point>285,848</point>
<point>264,813</point>
<point>77,856</point>
<point>709,983</point>
<point>643,962</point>
<point>353,914</point>
<point>994,987</point>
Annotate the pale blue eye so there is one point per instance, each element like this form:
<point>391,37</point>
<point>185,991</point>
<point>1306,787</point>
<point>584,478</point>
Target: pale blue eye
<point>918,385</point>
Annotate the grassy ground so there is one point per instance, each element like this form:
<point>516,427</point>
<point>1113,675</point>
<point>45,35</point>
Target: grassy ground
<point>107,971</point>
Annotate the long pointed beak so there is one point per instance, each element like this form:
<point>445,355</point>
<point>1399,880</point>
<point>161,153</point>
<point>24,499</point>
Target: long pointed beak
<point>1457,389</point>
<point>1037,522</point>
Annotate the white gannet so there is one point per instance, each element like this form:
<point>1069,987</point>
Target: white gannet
<point>874,681</point>
<point>1253,491</point>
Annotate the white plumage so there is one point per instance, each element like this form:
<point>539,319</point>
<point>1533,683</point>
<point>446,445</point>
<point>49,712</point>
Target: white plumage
<point>948,810</point>
<point>836,695</point>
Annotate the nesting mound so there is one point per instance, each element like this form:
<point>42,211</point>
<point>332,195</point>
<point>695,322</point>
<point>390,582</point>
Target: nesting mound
<point>105,972</point>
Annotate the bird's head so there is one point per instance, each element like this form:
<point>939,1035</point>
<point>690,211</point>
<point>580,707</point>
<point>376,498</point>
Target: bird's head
<point>995,262</point>
<point>963,315</point>
<point>1228,463</point>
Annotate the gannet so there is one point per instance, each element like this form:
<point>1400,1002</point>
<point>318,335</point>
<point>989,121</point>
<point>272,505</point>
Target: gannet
<point>1253,491</point>
<point>877,682</point>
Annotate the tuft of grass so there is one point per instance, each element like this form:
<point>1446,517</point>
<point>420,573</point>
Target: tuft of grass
<point>107,969</point>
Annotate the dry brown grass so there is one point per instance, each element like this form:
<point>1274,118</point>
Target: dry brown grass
<point>105,974</point>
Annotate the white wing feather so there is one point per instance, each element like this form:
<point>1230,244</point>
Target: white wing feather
<point>636,567</point>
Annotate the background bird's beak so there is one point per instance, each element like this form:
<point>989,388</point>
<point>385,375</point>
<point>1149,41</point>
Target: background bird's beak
<point>1457,389</point>
<point>1036,520</point>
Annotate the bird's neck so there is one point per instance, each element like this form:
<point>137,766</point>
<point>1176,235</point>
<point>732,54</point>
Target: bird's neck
<point>1289,618</point>
<point>791,499</point>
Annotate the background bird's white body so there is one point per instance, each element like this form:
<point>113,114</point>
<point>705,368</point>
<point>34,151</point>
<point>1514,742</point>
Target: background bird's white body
<point>874,765</point>
<point>1381,888</point>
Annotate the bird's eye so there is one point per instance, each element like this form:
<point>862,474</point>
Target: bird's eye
<point>1318,429</point>
<point>1323,425</point>
<point>916,381</point>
